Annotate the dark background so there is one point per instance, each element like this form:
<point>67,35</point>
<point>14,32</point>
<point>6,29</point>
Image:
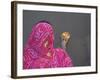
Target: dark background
<point>78,24</point>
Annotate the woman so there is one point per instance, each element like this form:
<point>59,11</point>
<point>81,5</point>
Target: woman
<point>39,51</point>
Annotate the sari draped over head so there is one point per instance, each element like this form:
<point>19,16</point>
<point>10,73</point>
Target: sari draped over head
<point>39,51</point>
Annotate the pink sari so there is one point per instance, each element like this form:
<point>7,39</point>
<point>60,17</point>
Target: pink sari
<point>39,51</point>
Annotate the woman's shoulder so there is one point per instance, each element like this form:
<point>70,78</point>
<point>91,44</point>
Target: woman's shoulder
<point>60,52</point>
<point>64,57</point>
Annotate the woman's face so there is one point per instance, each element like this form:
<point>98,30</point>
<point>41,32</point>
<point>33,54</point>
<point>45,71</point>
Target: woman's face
<point>46,46</point>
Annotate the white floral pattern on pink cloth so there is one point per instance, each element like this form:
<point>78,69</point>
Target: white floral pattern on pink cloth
<point>39,51</point>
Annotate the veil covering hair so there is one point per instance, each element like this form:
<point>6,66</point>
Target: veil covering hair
<point>39,51</point>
